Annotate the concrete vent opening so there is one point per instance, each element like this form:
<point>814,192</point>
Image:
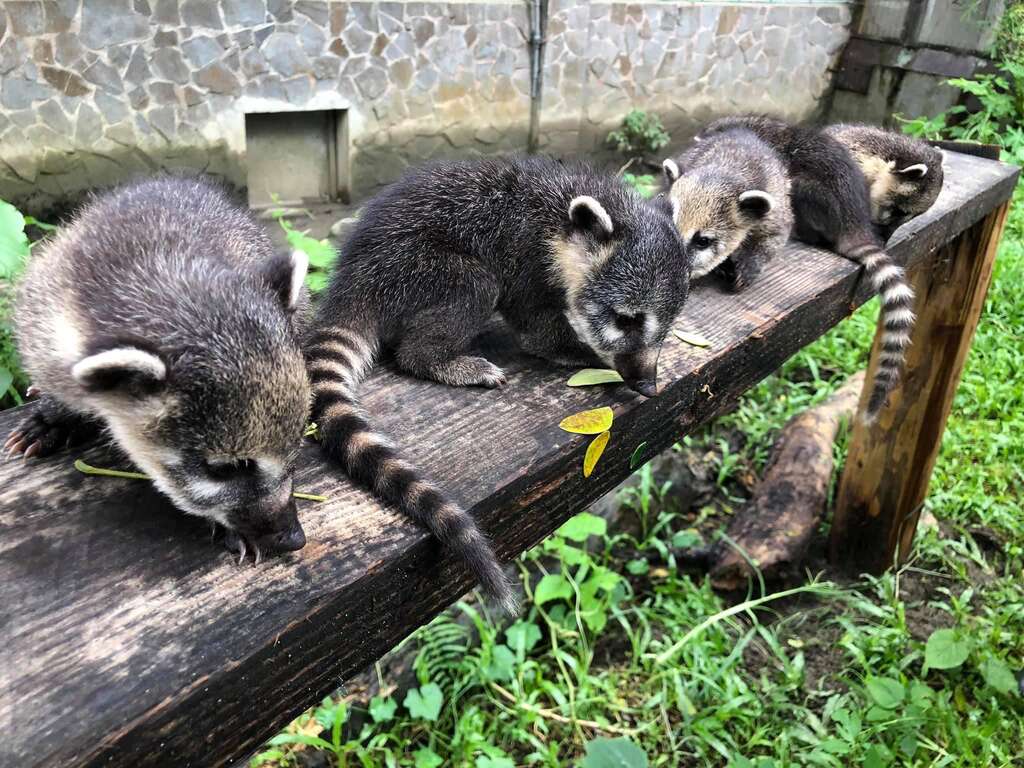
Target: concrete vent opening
<point>297,158</point>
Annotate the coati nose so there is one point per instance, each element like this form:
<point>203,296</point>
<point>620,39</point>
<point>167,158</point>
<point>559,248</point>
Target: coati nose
<point>291,540</point>
<point>640,371</point>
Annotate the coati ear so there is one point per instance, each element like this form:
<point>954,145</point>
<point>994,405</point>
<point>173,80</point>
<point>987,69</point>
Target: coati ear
<point>756,203</point>
<point>285,273</point>
<point>671,170</point>
<point>589,215</point>
<point>131,369</point>
<point>916,171</point>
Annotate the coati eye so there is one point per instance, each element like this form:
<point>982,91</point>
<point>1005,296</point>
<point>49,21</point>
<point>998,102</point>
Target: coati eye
<point>228,470</point>
<point>700,242</point>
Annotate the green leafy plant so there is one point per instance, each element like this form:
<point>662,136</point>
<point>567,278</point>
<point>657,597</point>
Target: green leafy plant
<point>641,134</point>
<point>321,253</point>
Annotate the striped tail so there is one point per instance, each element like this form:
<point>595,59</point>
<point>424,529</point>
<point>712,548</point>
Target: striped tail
<point>338,359</point>
<point>889,280</point>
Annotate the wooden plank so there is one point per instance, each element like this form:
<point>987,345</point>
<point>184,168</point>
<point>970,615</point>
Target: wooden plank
<point>889,464</point>
<point>126,639</point>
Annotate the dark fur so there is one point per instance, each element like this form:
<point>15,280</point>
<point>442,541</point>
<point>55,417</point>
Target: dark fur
<point>172,268</point>
<point>832,208</point>
<point>436,254</point>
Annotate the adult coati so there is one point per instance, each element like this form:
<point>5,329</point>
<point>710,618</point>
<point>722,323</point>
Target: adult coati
<point>579,267</point>
<point>164,316</point>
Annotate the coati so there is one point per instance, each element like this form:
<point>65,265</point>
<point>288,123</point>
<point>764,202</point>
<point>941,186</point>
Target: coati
<point>729,198</point>
<point>579,267</point>
<point>163,315</point>
<point>832,207</point>
<point>904,174</point>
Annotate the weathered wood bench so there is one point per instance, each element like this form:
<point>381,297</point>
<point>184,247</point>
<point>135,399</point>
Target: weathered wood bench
<point>129,640</point>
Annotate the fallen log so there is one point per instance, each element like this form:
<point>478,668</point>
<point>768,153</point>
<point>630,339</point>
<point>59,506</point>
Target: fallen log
<point>772,531</point>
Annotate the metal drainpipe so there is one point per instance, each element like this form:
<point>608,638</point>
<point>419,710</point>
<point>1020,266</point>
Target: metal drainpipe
<point>538,30</point>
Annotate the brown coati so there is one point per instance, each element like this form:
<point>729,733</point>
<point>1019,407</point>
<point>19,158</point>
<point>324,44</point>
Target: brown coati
<point>832,208</point>
<point>163,315</point>
<point>579,267</point>
<point>904,174</point>
<point>729,198</point>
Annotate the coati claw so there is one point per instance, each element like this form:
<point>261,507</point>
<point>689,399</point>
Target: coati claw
<point>16,447</point>
<point>258,554</point>
<point>241,550</point>
<point>32,450</point>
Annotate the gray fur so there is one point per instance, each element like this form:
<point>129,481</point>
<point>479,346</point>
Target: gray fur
<point>904,173</point>
<point>437,253</point>
<point>729,196</point>
<point>169,275</point>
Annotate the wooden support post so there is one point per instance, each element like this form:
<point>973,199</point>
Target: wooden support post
<point>889,464</point>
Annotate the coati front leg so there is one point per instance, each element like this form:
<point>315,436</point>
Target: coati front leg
<point>744,265</point>
<point>435,340</point>
<point>547,334</point>
<point>49,426</point>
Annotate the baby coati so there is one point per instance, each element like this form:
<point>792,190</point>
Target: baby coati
<point>575,262</point>
<point>729,198</point>
<point>163,315</point>
<point>904,174</point>
<point>832,208</point>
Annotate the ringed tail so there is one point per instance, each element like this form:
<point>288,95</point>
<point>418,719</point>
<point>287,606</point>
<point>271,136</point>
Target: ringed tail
<point>338,359</point>
<point>897,315</point>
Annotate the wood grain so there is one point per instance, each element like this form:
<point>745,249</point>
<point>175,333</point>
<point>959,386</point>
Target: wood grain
<point>127,639</point>
<point>889,464</point>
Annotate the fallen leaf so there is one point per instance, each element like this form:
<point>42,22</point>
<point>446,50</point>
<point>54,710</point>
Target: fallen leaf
<point>591,376</point>
<point>693,339</point>
<point>592,422</point>
<point>594,451</point>
<point>636,459</point>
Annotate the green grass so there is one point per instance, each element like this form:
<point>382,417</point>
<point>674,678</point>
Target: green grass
<point>915,668</point>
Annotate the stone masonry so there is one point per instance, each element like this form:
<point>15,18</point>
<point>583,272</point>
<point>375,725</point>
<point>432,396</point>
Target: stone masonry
<point>95,91</point>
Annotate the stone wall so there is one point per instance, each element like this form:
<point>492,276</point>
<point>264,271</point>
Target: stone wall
<point>94,91</point>
<point>902,52</point>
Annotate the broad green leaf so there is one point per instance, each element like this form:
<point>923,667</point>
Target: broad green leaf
<point>425,702</point>
<point>946,649</point>
<point>638,454</point>
<point>316,281</point>
<point>592,422</point>
<point>613,753</point>
<point>522,636</point>
<point>503,663</point>
<point>589,377</point>
<point>14,248</point>
<point>581,526</point>
<point>886,692</point>
<point>594,451</point>
<point>6,377</point>
<point>320,252</point>
<point>553,586</point>
<point>382,710</point>
<point>693,339</point>
<point>877,756</point>
<point>638,566</point>
<point>425,757</point>
<point>686,539</point>
<point>998,675</point>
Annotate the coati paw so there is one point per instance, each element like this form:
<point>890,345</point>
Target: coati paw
<point>474,372</point>
<point>236,544</point>
<point>41,435</point>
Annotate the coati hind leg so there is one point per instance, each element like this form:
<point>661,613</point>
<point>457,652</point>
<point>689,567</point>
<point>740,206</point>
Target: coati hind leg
<point>435,340</point>
<point>49,427</point>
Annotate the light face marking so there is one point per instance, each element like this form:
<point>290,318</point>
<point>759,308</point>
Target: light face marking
<point>120,358</point>
<point>611,334</point>
<point>651,327</point>
<point>67,338</point>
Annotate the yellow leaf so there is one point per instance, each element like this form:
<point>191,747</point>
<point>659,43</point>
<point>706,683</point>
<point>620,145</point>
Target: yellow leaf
<point>594,451</point>
<point>590,376</point>
<point>588,422</point>
<point>693,339</point>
